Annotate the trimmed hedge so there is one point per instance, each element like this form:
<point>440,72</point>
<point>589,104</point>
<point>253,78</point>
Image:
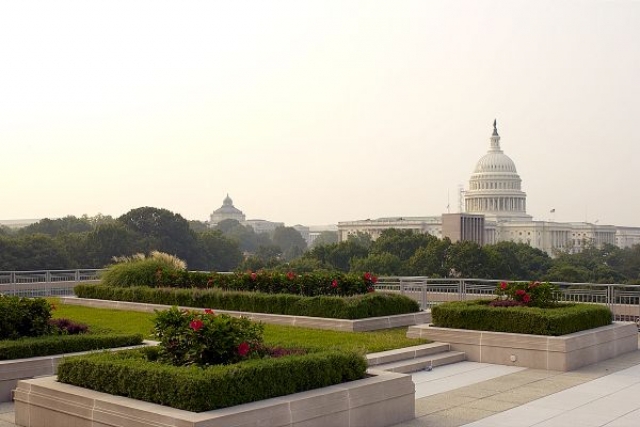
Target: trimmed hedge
<point>354,307</point>
<point>61,344</point>
<point>134,374</point>
<point>560,319</point>
<point>151,272</point>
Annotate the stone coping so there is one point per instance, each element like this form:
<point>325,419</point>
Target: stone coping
<point>382,399</point>
<point>19,369</point>
<point>358,325</point>
<point>562,353</point>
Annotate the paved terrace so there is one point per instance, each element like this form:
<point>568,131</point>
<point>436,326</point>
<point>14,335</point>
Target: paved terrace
<point>484,395</point>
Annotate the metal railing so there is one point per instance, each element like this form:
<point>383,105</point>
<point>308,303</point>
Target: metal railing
<point>39,283</point>
<point>623,300</point>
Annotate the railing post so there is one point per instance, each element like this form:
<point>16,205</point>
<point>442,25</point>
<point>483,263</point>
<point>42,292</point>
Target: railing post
<point>77,275</point>
<point>401,287</point>
<point>423,295</point>
<point>461,291</point>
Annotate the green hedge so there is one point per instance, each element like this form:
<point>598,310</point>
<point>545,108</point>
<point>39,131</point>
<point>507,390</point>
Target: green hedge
<point>561,319</point>
<point>151,272</point>
<point>61,344</point>
<point>355,307</point>
<point>23,317</point>
<point>132,374</point>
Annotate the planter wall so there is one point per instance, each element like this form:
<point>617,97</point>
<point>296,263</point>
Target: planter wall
<point>563,353</point>
<point>358,325</point>
<point>11,371</point>
<point>382,399</point>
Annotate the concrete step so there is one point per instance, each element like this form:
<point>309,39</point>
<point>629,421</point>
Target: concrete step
<point>422,363</point>
<point>406,353</point>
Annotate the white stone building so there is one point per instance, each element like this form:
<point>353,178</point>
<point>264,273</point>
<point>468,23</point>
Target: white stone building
<point>495,192</point>
<point>226,211</point>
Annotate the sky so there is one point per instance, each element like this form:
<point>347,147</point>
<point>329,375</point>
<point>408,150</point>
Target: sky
<point>315,112</point>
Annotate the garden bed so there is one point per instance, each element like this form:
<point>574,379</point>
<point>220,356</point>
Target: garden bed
<point>11,371</point>
<point>345,325</point>
<point>382,399</point>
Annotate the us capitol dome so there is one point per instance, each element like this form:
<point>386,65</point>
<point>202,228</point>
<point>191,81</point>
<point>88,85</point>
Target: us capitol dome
<point>495,186</point>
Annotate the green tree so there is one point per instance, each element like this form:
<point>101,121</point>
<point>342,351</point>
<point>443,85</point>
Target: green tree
<point>325,238</point>
<point>112,239</point>
<point>401,243</point>
<point>162,230</point>
<point>379,263</point>
<point>466,259</point>
<point>290,242</point>
<point>217,252</point>
<point>430,260</point>
<point>53,227</point>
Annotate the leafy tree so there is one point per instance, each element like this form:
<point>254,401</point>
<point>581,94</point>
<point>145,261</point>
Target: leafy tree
<point>198,226</point>
<point>290,242</point>
<point>111,239</point>
<point>217,252</point>
<point>53,227</point>
<point>338,256</point>
<point>162,230</point>
<point>227,225</point>
<point>429,260</point>
<point>466,259</point>
<point>325,238</point>
<point>402,243</point>
<point>379,263</point>
<point>516,261</point>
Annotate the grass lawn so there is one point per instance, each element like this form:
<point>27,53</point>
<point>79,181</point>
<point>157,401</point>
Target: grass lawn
<point>102,320</point>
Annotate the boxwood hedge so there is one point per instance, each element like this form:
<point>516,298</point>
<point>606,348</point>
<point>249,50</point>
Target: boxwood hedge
<point>136,375</point>
<point>354,307</point>
<point>61,344</point>
<point>559,319</point>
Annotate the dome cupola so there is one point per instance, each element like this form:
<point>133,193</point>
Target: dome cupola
<point>494,187</point>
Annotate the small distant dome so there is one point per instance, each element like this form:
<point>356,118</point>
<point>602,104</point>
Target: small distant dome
<point>226,211</point>
<point>227,201</point>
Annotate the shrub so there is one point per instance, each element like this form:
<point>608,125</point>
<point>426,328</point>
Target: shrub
<point>558,319</point>
<point>61,344</point>
<point>134,374</point>
<point>23,317</point>
<point>202,339</point>
<point>140,270</point>
<point>67,327</point>
<point>532,294</point>
<point>355,307</point>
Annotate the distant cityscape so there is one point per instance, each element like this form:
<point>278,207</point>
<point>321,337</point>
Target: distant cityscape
<point>494,209</point>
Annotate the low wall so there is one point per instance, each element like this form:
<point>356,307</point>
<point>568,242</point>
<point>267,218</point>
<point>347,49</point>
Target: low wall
<point>358,325</point>
<point>11,371</point>
<point>563,353</point>
<point>382,399</point>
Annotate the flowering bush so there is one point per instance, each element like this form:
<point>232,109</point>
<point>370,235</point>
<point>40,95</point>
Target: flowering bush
<point>533,294</point>
<point>203,339</point>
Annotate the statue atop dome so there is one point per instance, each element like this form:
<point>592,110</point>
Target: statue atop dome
<point>495,127</point>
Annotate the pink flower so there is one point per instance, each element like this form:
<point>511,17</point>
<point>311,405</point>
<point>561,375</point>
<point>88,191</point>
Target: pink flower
<point>374,279</point>
<point>334,284</point>
<point>254,276</point>
<point>291,275</point>
<point>367,276</point>
<point>208,311</point>
<point>243,349</point>
<point>196,325</point>
<point>526,298</point>
<point>520,292</point>
<point>534,285</point>
<point>370,289</point>
<point>503,285</point>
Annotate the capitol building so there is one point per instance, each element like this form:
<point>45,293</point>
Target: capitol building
<point>495,210</point>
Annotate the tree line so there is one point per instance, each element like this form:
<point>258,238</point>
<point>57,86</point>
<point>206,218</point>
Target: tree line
<point>92,242</point>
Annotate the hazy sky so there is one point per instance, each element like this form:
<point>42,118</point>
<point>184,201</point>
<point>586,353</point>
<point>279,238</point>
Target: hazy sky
<point>315,112</point>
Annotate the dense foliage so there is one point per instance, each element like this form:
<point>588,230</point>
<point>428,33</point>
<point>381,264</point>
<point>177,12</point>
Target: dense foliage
<point>373,304</point>
<point>24,317</point>
<point>204,339</point>
<point>531,294</point>
<point>92,242</point>
<point>135,374</point>
<point>560,319</point>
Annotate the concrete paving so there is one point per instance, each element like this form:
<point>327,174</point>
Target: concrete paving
<point>483,395</point>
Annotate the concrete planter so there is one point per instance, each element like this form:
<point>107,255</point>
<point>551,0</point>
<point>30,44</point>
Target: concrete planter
<point>563,353</point>
<point>382,399</point>
<point>358,325</point>
<point>11,371</point>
